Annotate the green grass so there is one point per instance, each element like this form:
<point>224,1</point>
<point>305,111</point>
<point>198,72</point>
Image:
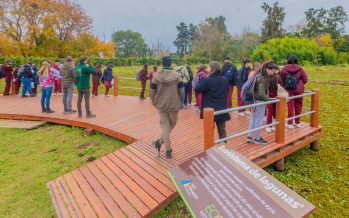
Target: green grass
<point>321,177</point>
<point>30,159</point>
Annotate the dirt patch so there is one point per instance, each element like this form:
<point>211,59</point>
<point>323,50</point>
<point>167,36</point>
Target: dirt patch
<point>83,146</point>
<point>90,159</point>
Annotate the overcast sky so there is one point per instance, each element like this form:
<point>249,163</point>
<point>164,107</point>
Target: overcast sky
<point>158,18</point>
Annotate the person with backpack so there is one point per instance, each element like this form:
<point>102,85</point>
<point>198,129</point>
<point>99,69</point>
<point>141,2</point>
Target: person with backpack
<point>190,84</point>
<point>16,82</point>
<point>229,71</point>
<point>215,90</point>
<point>255,90</point>
<point>293,79</point>
<point>201,74</point>
<point>143,77</point>
<point>46,78</point>
<point>108,78</point>
<point>8,70</point>
<point>96,79</point>
<point>26,74</point>
<point>166,93</point>
<point>241,78</point>
<point>68,79</point>
<point>56,68</point>
<point>83,73</point>
<point>35,79</point>
<point>183,72</point>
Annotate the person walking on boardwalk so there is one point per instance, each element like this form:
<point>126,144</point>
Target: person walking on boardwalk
<point>201,74</point>
<point>25,74</point>
<point>108,78</point>
<point>215,89</point>
<point>260,91</point>
<point>143,77</point>
<point>46,78</point>
<point>96,79</point>
<point>167,95</point>
<point>83,76</point>
<point>293,80</point>
<point>241,78</point>
<point>190,84</point>
<point>229,71</point>
<point>8,70</point>
<point>16,81</point>
<point>35,79</point>
<point>183,72</point>
<point>68,79</point>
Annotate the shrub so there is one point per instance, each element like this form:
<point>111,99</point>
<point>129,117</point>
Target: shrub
<point>306,50</point>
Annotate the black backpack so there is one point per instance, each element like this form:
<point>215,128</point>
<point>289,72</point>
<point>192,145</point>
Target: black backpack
<point>2,72</point>
<point>27,71</point>
<point>291,81</point>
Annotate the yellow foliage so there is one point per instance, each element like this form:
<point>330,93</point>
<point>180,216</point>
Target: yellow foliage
<point>325,41</point>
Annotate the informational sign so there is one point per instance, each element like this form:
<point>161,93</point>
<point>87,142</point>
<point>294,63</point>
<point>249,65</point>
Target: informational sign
<point>222,183</point>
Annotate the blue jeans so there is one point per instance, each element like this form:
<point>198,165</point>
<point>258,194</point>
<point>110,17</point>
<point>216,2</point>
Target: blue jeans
<point>257,115</point>
<point>26,86</point>
<point>186,90</point>
<point>46,95</point>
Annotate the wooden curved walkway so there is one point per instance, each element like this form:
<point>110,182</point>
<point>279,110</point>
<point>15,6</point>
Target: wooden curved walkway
<point>131,181</point>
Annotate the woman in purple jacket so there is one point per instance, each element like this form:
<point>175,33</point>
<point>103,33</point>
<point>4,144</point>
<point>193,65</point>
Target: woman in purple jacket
<point>293,80</point>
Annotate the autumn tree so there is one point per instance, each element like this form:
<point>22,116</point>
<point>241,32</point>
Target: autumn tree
<point>273,23</point>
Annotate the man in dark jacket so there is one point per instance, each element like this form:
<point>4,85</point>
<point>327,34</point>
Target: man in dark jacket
<point>143,77</point>
<point>68,79</point>
<point>83,76</point>
<point>7,68</point>
<point>215,91</point>
<point>167,94</point>
<point>241,78</point>
<point>229,71</point>
<point>108,78</point>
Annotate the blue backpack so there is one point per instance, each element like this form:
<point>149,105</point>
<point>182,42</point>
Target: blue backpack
<point>247,91</point>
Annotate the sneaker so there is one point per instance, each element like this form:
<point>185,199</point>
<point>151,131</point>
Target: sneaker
<point>260,141</point>
<point>157,146</point>
<point>73,111</point>
<point>184,106</point>
<point>43,110</point>
<point>90,115</point>
<point>107,96</point>
<point>242,114</point>
<point>169,154</point>
<point>67,112</point>
<point>249,140</point>
<point>298,125</point>
<point>49,111</point>
<point>273,128</point>
<point>290,126</point>
<point>269,129</point>
<point>54,94</point>
<point>247,112</point>
<point>79,115</point>
<point>25,96</point>
<point>60,94</point>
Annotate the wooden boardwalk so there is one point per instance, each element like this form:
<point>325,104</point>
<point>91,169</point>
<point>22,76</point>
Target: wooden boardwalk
<point>131,181</point>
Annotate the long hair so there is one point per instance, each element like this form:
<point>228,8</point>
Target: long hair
<point>44,69</point>
<point>215,68</point>
<point>263,71</point>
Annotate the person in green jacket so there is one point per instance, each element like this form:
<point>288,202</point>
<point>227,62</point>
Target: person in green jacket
<point>83,76</point>
<point>261,94</point>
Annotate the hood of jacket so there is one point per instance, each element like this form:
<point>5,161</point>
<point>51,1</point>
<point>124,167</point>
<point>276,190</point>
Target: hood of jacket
<point>227,63</point>
<point>167,76</point>
<point>292,68</point>
<point>66,67</point>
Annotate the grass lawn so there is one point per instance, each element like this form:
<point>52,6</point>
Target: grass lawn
<point>29,159</point>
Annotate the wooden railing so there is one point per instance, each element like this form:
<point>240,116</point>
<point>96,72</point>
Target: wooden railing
<point>280,123</point>
<point>117,85</point>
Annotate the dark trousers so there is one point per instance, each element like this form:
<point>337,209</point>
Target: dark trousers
<point>294,109</point>
<point>221,129</point>
<point>95,88</point>
<point>86,94</point>
<point>35,89</point>
<point>190,92</point>
<point>16,87</point>
<point>7,86</point>
<point>143,84</point>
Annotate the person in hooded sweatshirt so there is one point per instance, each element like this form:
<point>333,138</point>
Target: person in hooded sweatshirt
<point>229,71</point>
<point>167,95</point>
<point>290,71</point>
<point>96,79</point>
<point>7,68</point>
<point>68,79</point>
<point>108,77</point>
<point>241,78</point>
<point>35,79</point>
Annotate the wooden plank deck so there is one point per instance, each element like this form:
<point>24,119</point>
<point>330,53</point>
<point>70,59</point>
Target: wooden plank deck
<point>132,182</point>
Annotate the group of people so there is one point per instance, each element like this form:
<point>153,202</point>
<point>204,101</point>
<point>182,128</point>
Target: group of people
<point>171,89</point>
<point>214,89</point>
<point>57,79</point>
